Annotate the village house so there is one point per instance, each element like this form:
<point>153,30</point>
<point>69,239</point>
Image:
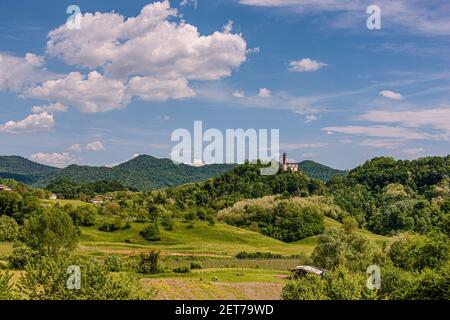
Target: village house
<point>96,201</point>
<point>301,271</point>
<point>5,188</point>
<point>288,166</point>
<point>53,197</point>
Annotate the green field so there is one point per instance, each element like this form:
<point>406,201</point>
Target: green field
<point>218,240</point>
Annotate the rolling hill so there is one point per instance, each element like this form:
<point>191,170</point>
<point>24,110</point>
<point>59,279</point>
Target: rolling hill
<point>319,171</point>
<point>24,170</point>
<point>143,172</point>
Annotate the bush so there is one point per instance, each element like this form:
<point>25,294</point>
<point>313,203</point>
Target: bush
<point>167,222</point>
<point>183,269</point>
<point>149,263</point>
<point>258,255</point>
<point>50,232</point>
<point>7,291</point>
<point>115,225</point>
<point>113,263</point>
<point>21,255</point>
<point>196,265</point>
<point>83,216</point>
<point>9,229</point>
<point>151,233</point>
<point>415,252</point>
<point>336,247</point>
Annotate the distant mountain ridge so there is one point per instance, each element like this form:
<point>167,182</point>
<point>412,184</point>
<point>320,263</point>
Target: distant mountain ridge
<point>143,172</point>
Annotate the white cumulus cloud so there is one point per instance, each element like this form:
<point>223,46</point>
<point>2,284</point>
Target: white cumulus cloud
<point>52,108</point>
<point>95,146</point>
<point>59,160</point>
<point>391,95</point>
<point>32,123</point>
<point>151,44</point>
<point>94,93</point>
<point>239,94</point>
<point>152,89</point>
<point>264,93</point>
<point>306,65</point>
<point>17,73</point>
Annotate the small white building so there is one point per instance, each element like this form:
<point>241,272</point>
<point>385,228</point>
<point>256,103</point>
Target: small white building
<point>53,197</point>
<point>5,188</point>
<point>96,201</point>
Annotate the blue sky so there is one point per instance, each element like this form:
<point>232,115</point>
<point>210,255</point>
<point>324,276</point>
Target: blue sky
<point>137,70</point>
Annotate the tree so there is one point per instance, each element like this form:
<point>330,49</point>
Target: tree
<point>415,252</point>
<point>20,256</point>
<point>83,215</point>
<point>336,247</point>
<point>350,224</point>
<point>148,263</point>
<point>151,233</point>
<point>50,232</point>
<point>10,203</point>
<point>9,229</point>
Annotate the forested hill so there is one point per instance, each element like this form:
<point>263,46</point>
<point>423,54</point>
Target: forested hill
<point>24,170</point>
<point>319,171</point>
<point>387,195</point>
<point>143,172</point>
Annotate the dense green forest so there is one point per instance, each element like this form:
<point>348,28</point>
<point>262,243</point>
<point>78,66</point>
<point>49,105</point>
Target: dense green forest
<point>319,171</point>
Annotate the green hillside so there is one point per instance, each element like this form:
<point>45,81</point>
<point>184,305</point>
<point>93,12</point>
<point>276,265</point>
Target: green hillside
<point>23,170</point>
<point>319,171</point>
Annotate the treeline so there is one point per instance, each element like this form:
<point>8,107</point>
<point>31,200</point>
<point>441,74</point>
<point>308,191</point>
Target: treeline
<point>82,191</point>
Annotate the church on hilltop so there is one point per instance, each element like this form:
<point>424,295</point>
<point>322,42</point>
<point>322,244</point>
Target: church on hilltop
<point>288,166</point>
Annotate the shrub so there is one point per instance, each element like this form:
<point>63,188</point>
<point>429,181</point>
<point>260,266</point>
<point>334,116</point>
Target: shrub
<point>196,265</point>
<point>167,222</point>
<point>149,263</point>
<point>83,216</point>
<point>416,252</point>
<point>21,255</point>
<point>50,232</point>
<point>116,224</point>
<point>336,247</point>
<point>7,292</point>
<point>9,229</point>
<point>183,269</point>
<point>258,255</point>
<point>151,233</point>
<point>113,263</point>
